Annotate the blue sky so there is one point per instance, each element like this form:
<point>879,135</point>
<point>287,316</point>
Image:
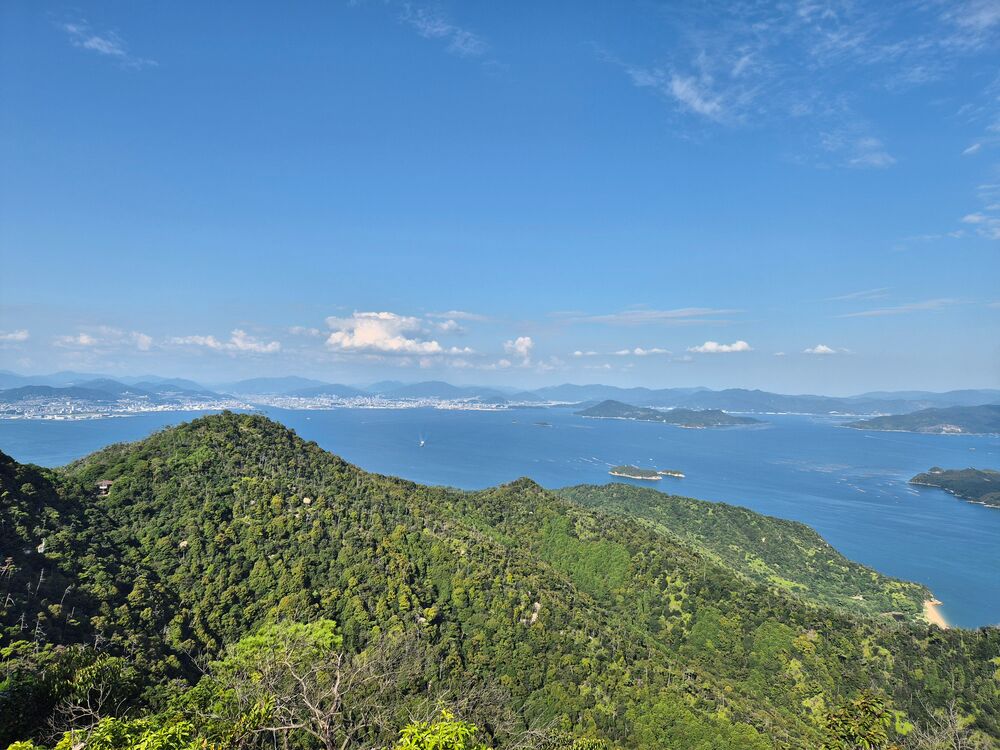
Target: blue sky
<point>793,196</point>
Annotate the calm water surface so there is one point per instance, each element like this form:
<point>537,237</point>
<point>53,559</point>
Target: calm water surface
<point>847,484</point>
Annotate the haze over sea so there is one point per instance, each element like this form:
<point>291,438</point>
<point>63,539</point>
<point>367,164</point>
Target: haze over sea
<point>849,485</point>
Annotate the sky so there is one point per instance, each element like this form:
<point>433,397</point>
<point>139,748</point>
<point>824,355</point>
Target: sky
<point>795,196</point>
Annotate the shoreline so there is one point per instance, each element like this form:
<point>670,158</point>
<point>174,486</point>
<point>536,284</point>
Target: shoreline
<point>932,614</point>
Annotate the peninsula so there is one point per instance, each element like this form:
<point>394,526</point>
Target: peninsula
<point>690,418</point>
<point>975,485</point>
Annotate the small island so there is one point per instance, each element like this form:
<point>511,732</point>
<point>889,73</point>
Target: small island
<point>952,420</point>
<point>634,472</point>
<point>690,418</point>
<point>980,486</point>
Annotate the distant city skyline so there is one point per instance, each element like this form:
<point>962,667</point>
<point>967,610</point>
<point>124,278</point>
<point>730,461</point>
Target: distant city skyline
<point>797,198</point>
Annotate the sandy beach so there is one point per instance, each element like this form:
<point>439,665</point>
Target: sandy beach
<point>933,614</point>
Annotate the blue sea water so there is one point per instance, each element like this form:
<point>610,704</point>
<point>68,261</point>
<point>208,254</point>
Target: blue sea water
<point>851,486</point>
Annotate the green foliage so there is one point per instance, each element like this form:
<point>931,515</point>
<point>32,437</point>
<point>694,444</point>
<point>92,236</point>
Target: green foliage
<point>862,724</point>
<point>446,733</point>
<point>771,551</point>
<point>598,613</point>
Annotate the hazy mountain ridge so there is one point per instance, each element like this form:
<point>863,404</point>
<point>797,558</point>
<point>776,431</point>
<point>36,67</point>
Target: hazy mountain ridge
<point>731,399</point>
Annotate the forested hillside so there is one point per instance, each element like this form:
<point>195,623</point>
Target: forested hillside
<point>239,587</point>
<point>976,485</point>
<point>769,550</point>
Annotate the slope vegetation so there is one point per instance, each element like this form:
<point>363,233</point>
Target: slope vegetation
<point>591,623</point>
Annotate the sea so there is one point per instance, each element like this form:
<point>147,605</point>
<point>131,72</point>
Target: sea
<point>850,485</point>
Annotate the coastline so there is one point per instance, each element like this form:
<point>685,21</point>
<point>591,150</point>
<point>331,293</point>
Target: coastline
<point>932,613</point>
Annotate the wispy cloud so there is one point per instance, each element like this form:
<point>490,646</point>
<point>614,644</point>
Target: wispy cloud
<point>643,316</point>
<point>239,342</point>
<point>458,315</point>
<point>911,307</point>
<point>105,338</point>
<point>714,347</point>
<point>877,293</point>
<point>985,224</point>
<point>975,148</point>
<point>433,24</point>
<point>855,150</point>
<point>802,65</point>
<point>104,43</point>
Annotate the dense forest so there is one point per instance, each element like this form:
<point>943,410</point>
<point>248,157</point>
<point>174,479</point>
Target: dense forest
<point>239,587</point>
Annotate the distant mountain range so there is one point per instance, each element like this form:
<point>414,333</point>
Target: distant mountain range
<point>66,385</point>
<point>161,392</point>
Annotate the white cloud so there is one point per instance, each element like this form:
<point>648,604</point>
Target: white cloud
<point>106,44</point>
<point>976,218</point>
<point>242,341</point>
<point>380,332</point>
<point>714,347</point>
<point>521,347</point>
<point>975,148</point>
<point>142,341</point>
<point>640,352</point>
<point>819,349</point>
<point>207,341</point>
<point>579,353</point>
<point>239,341</point>
<point>15,337</point>
<point>449,326</point>
<point>79,339</point>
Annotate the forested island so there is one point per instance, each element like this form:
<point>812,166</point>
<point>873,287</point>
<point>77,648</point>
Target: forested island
<point>692,418</point>
<point>226,584</point>
<point>975,485</point>
<point>953,420</point>
<point>634,472</point>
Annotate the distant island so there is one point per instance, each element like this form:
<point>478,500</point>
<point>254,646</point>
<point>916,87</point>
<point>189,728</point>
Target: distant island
<point>634,472</point>
<point>691,418</point>
<point>975,485</point>
<point>952,420</point>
